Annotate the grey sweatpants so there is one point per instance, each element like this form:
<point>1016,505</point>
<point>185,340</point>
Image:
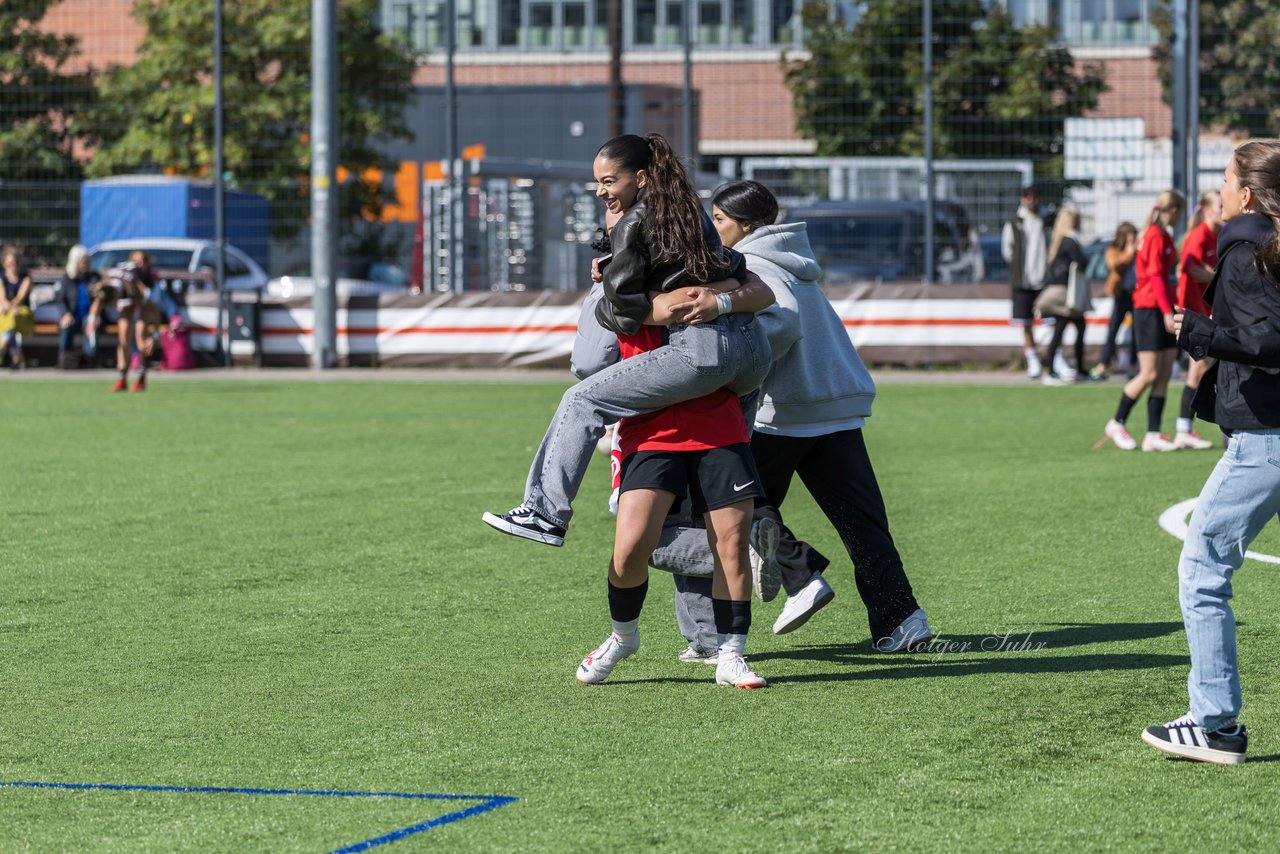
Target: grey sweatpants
<point>732,352</point>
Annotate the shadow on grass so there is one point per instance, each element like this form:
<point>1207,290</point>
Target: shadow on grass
<point>1003,641</point>
<point>920,667</point>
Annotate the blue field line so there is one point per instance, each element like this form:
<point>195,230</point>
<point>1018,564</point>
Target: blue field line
<point>487,802</point>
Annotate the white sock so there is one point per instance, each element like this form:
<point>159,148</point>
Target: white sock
<point>627,628</point>
<point>732,645</point>
<point>1030,354</point>
<point>1184,425</point>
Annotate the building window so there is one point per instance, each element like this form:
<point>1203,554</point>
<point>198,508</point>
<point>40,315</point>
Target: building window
<point>645,30</point>
<point>539,31</point>
<point>743,29</point>
<point>508,23</point>
<point>711,23</point>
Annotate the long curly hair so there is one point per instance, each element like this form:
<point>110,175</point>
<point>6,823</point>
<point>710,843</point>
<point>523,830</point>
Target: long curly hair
<point>677,234</point>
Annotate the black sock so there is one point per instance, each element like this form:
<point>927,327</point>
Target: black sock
<point>1155,412</point>
<point>625,603</point>
<point>1188,395</point>
<point>1125,407</point>
<point>732,618</point>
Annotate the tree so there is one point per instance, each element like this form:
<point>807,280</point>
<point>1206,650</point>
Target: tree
<point>40,111</point>
<point>998,89</point>
<point>157,114</point>
<point>1238,64</point>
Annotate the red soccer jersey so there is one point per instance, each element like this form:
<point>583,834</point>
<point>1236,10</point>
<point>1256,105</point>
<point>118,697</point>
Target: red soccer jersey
<point>1200,245</point>
<point>1156,259</point>
<point>711,421</point>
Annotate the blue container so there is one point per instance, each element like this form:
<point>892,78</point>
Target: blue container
<point>131,206</point>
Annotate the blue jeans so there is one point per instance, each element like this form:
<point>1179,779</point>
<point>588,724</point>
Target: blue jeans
<point>1239,498</point>
<point>733,352</point>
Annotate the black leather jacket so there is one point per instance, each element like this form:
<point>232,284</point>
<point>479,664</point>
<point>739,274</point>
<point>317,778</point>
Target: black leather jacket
<point>633,272</point>
<point>1241,392</point>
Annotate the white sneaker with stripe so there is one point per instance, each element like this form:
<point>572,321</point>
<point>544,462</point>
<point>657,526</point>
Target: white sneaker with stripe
<point>1187,739</point>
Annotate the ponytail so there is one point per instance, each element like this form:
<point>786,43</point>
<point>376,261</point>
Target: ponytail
<point>1168,200</point>
<point>677,212</point>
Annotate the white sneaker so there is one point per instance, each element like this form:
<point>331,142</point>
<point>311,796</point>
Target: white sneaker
<point>1192,441</point>
<point>1033,368</point>
<point>766,574</point>
<point>800,607</point>
<point>731,669</point>
<point>912,633</point>
<point>1115,431</point>
<point>599,663</point>
<point>1156,442</point>
<point>689,655</point>
<point>1061,367</point>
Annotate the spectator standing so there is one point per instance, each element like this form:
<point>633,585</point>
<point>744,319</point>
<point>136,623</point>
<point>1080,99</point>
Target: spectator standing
<point>1199,258</point>
<point>1242,495</point>
<point>80,307</point>
<point>1153,328</point>
<point>1121,278</point>
<point>16,320</point>
<point>1022,244</point>
<point>1069,260</point>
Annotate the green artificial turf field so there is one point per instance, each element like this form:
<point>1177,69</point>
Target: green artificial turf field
<point>286,585</point>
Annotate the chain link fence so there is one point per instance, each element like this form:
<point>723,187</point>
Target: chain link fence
<point>823,101</point>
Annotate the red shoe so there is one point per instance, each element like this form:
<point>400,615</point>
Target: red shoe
<point>141,384</point>
<point>120,385</point>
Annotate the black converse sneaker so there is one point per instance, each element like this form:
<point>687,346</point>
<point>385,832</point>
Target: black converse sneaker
<point>1184,737</point>
<point>524,522</point>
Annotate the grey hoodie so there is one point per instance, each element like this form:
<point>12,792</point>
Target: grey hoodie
<point>818,384</point>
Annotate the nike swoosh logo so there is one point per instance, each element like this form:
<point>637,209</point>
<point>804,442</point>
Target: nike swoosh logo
<point>737,488</point>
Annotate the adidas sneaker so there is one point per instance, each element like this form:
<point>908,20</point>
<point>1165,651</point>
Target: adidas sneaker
<point>1185,738</point>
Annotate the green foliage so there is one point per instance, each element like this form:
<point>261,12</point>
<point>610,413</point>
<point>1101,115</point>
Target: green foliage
<point>157,114</point>
<point>1238,64</point>
<point>996,87</point>
<point>41,99</point>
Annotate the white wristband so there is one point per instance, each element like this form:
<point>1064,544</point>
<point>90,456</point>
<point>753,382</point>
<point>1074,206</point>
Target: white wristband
<point>724,304</point>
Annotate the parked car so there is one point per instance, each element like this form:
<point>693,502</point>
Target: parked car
<point>183,253</point>
<point>883,240</point>
<point>356,277</point>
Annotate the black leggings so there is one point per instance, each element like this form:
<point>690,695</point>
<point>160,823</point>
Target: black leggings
<point>1060,325</point>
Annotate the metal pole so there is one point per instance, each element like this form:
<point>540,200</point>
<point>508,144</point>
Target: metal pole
<point>929,272</point>
<point>219,186</point>
<point>686,106</point>
<point>324,196</point>
<point>1180,78</point>
<point>1193,100</point>
<point>453,179</point>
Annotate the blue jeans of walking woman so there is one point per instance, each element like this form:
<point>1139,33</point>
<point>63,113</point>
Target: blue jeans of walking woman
<point>1239,498</point>
<point>731,352</point>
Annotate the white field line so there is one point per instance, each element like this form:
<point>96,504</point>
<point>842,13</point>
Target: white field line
<point>1174,520</point>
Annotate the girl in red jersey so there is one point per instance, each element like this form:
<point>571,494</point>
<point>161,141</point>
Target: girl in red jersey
<point>1152,327</point>
<point>697,449</point>
<point>1199,258</point>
